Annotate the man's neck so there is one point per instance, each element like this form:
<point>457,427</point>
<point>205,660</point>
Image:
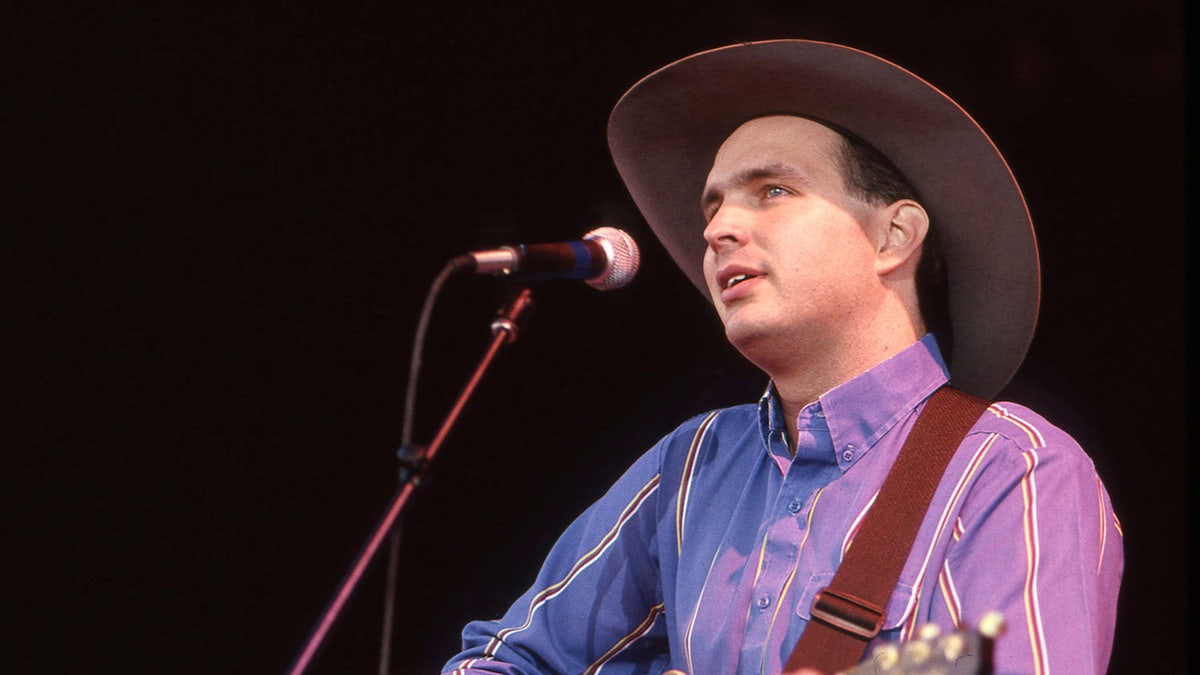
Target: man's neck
<point>805,385</point>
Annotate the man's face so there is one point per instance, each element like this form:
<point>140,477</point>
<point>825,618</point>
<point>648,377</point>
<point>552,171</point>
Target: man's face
<point>791,256</point>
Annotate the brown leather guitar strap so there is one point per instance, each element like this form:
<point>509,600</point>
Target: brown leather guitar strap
<point>849,612</point>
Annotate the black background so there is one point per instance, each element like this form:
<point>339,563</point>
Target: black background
<point>228,216</point>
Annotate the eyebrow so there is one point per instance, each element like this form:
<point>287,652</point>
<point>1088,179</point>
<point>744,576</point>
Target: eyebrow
<point>713,193</point>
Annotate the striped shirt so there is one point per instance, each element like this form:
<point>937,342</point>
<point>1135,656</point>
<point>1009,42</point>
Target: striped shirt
<point>705,556</point>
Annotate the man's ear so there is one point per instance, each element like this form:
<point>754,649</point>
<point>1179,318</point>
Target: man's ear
<point>904,231</point>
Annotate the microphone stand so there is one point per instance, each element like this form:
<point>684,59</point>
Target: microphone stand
<point>504,331</point>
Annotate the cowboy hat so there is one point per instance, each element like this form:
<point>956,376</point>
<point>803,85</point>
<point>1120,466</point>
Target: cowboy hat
<point>665,131</point>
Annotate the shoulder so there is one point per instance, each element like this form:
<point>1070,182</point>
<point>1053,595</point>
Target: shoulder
<point>733,419</point>
<point>707,433</point>
<point>1019,441</point>
<point>1025,429</point>
<point>1021,425</point>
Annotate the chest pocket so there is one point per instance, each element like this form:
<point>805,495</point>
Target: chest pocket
<point>898,607</point>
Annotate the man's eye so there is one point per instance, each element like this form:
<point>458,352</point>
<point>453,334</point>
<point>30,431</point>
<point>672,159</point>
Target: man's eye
<point>775,191</point>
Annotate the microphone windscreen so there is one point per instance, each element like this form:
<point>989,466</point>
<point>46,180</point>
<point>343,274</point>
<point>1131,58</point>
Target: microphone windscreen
<point>623,257</point>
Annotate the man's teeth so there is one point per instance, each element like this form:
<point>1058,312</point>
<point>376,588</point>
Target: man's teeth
<point>734,281</point>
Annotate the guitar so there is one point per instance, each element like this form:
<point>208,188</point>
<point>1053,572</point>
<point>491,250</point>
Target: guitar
<point>932,652</point>
<point>935,653</point>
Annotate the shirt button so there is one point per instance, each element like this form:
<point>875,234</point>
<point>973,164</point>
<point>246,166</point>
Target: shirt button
<point>848,453</point>
<point>764,601</point>
<point>794,506</point>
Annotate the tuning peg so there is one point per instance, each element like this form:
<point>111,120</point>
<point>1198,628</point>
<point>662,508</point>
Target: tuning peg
<point>991,626</point>
<point>952,647</point>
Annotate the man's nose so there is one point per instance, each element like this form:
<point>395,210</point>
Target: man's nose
<point>727,228</point>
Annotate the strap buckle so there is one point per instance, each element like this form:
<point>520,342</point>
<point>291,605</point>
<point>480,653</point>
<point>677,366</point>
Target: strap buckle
<point>848,613</point>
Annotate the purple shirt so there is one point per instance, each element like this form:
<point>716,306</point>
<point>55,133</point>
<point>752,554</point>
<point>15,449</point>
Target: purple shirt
<point>705,556</point>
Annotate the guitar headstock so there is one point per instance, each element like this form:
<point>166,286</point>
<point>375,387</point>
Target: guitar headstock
<point>937,653</point>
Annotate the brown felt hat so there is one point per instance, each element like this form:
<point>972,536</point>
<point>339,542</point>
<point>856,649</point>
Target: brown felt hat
<point>665,132</point>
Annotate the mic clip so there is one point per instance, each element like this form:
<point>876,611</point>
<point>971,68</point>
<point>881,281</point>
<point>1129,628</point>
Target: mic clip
<point>411,458</point>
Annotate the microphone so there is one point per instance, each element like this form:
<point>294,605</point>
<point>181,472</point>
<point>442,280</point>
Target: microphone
<point>606,258</point>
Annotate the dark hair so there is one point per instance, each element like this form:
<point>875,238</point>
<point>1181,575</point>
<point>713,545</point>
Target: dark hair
<point>870,176</point>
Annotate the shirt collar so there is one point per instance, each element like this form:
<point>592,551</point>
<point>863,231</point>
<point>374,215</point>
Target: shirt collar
<point>861,410</point>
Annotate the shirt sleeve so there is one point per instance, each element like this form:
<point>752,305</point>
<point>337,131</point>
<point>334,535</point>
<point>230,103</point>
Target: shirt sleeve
<point>1037,540</point>
<point>596,601</point>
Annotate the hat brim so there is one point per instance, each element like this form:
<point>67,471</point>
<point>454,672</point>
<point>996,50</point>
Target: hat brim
<point>665,131</point>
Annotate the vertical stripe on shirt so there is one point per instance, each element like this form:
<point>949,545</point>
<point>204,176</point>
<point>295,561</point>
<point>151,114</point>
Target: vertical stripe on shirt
<point>791,575</point>
<point>959,530</point>
<point>681,506</point>
<point>950,594</point>
<point>1029,498</point>
<point>1032,550</point>
<point>855,525</point>
<point>685,481</point>
<point>1103,525</point>
<point>775,615</point>
<point>687,638</point>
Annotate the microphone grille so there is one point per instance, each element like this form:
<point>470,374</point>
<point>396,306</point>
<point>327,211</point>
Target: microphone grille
<point>623,257</point>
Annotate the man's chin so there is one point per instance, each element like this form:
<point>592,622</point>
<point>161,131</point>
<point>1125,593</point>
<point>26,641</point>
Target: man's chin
<point>768,345</point>
<point>747,337</point>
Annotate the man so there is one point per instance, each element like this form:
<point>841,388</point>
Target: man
<point>808,189</point>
